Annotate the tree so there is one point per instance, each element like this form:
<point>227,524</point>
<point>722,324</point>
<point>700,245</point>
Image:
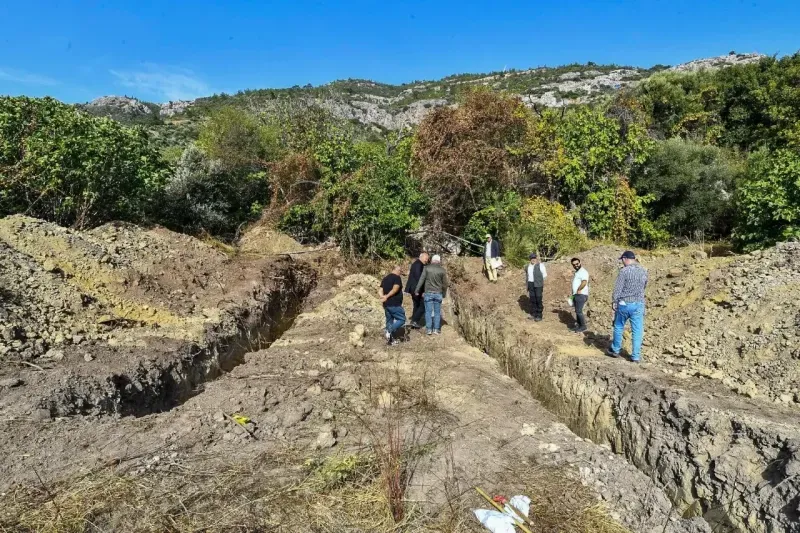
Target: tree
<point>202,195</point>
<point>768,200</point>
<point>237,139</point>
<point>464,155</point>
<point>692,186</point>
<point>62,165</point>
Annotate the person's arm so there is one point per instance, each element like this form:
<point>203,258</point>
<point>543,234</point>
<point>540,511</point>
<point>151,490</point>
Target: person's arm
<point>380,292</point>
<point>421,282</point>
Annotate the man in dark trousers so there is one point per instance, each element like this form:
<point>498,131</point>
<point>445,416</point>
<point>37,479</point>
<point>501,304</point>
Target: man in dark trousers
<point>418,313</point>
<point>535,274</point>
<point>391,295</point>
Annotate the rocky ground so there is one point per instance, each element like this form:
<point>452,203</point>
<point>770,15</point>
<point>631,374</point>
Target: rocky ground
<point>322,405</point>
<point>710,421</point>
<point>148,382</point>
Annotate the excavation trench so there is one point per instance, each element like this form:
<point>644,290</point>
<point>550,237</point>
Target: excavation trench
<point>720,460</point>
<point>161,382</point>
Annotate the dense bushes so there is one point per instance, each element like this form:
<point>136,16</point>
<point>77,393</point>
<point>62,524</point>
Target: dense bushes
<point>544,227</point>
<point>691,186</point>
<point>60,164</point>
<point>768,200</point>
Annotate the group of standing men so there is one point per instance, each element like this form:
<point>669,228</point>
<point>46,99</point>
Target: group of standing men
<point>627,300</point>
<point>427,285</point>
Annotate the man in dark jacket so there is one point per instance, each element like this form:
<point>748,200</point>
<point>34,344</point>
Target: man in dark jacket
<point>418,312</point>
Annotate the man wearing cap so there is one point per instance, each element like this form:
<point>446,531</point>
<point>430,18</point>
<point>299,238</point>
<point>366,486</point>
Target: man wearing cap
<point>535,274</point>
<point>491,257</point>
<point>434,279</point>
<point>627,300</point>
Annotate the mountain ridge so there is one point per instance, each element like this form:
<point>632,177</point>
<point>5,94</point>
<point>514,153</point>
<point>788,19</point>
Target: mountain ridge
<point>384,106</point>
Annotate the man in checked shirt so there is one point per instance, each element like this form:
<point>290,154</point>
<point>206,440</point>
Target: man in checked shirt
<point>627,300</point>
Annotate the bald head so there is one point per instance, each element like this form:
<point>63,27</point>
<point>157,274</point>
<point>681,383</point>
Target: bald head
<point>424,257</point>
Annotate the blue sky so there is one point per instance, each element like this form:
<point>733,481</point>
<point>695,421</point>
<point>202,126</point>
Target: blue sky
<point>171,49</point>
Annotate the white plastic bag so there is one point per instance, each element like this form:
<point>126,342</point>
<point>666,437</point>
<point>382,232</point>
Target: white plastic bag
<point>504,522</point>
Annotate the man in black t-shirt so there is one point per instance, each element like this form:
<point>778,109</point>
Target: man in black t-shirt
<point>391,295</point>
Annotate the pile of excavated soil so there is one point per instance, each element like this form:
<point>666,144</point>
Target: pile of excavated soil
<point>321,405</point>
<point>121,319</point>
<point>262,240</point>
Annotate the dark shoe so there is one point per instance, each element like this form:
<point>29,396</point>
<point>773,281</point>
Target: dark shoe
<point>611,353</point>
<point>531,317</point>
<point>538,319</point>
<point>414,325</point>
<point>579,330</point>
<point>637,361</point>
<point>393,342</point>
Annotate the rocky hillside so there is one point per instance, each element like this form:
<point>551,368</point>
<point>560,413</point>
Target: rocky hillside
<point>392,107</point>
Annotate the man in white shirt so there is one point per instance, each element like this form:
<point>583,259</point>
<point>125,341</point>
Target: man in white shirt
<point>535,274</point>
<point>580,294</point>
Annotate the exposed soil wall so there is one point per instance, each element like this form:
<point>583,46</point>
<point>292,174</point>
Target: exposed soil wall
<point>159,383</point>
<point>719,457</point>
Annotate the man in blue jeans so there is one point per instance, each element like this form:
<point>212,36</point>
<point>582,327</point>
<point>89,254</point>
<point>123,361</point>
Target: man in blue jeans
<point>434,279</point>
<point>391,295</point>
<point>627,300</point>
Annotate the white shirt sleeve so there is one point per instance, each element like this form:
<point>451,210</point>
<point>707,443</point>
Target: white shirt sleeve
<point>544,270</point>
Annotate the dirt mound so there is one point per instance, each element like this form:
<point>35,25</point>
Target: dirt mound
<point>354,302</point>
<point>121,319</point>
<point>262,240</point>
<point>730,319</point>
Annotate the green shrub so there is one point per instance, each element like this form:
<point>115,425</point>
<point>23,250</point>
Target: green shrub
<point>768,200</point>
<point>202,195</point>
<point>496,219</point>
<point>544,227</point>
<point>62,165</point>
<point>618,214</point>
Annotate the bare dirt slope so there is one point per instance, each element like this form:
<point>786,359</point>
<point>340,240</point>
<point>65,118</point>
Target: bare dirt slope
<point>125,320</point>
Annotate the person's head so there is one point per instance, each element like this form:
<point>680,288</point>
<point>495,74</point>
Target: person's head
<point>576,263</point>
<point>488,238</point>
<point>533,258</point>
<point>424,258</point>
<point>628,257</point>
<point>397,269</point>
<point>436,259</point>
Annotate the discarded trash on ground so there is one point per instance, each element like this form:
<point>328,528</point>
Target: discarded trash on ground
<point>509,514</point>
